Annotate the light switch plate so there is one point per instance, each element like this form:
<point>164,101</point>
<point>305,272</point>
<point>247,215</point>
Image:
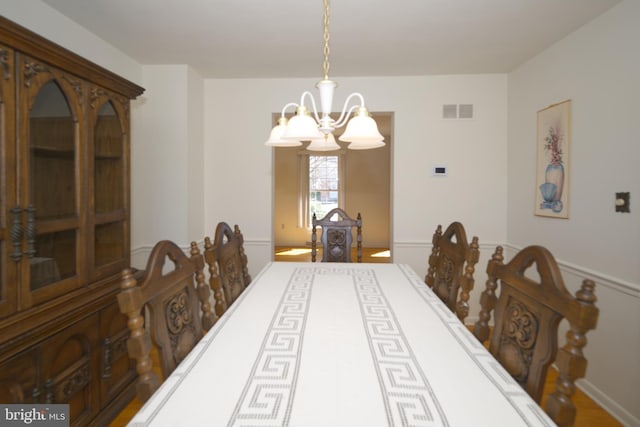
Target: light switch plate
<point>439,170</point>
<point>622,202</point>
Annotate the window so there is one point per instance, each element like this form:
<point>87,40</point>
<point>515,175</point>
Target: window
<point>321,187</point>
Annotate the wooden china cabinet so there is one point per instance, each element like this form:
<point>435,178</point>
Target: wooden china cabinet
<point>64,228</point>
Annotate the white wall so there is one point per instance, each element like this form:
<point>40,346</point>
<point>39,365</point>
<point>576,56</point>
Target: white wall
<point>598,68</point>
<point>238,120</point>
<point>195,143</point>
<point>167,160</point>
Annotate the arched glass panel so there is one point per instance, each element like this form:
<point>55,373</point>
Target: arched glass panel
<point>108,161</point>
<point>109,185</point>
<point>52,160</point>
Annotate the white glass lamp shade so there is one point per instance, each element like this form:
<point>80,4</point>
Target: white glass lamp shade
<point>325,143</point>
<point>302,127</point>
<point>365,144</point>
<point>275,138</point>
<point>362,131</point>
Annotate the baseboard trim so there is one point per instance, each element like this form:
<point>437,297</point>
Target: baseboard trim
<point>258,243</point>
<point>611,406</point>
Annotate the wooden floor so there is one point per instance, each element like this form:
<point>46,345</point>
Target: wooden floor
<point>377,255</point>
<point>589,413</point>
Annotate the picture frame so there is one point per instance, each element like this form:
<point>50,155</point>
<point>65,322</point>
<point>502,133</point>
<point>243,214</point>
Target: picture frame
<point>553,144</point>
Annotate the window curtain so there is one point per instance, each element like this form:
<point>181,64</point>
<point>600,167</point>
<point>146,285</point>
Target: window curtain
<point>303,190</point>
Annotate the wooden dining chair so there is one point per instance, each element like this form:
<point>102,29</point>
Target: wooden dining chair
<point>175,293</point>
<point>451,267</point>
<point>526,317</point>
<point>336,236</point>
<point>228,265</point>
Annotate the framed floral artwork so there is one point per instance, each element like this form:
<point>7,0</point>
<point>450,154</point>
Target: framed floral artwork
<point>553,150</point>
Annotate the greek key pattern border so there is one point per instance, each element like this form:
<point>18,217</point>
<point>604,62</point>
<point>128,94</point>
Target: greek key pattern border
<point>408,397</point>
<point>267,397</point>
<point>531,414</point>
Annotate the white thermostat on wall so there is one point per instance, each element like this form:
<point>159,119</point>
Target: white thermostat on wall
<point>439,171</point>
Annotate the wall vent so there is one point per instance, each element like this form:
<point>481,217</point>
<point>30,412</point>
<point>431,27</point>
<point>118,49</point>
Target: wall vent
<point>465,111</point>
<point>449,111</point>
<point>457,111</point>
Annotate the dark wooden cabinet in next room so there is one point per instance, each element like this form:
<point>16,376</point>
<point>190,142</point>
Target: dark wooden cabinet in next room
<point>64,228</point>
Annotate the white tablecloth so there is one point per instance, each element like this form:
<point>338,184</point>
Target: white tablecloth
<point>323,344</point>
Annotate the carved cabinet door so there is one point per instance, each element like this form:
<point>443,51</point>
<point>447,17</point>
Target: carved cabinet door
<point>70,363</point>
<point>19,382</point>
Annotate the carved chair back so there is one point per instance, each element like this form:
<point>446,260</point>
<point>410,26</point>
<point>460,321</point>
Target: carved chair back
<point>175,293</point>
<point>227,261</point>
<point>337,236</point>
<point>451,266</point>
<point>525,334</point>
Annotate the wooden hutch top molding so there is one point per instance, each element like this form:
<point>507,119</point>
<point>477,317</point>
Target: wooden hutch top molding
<point>23,39</point>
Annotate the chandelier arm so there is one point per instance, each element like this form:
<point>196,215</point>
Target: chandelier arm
<point>344,116</point>
<point>313,103</point>
<point>291,104</point>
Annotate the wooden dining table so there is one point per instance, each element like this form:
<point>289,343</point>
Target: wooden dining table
<point>332,344</point>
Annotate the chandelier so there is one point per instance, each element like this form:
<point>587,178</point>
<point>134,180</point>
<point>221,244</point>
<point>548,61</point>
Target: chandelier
<point>361,131</point>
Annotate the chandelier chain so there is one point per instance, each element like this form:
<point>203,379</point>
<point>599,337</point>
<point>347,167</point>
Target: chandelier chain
<point>325,65</point>
<point>361,132</point>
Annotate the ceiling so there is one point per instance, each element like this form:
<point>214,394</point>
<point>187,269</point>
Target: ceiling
<point>284,38</point>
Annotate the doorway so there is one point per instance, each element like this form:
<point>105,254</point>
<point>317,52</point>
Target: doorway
<point>366,185</point>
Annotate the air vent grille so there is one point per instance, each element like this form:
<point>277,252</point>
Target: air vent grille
<point>449,111</point>
<point>457,111</point>
<point>465,111</point>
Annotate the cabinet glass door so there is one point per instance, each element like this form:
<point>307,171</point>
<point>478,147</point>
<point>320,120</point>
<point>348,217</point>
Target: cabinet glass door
<point>53,188</point>
<point>110,183</point>
<point>51,192</point>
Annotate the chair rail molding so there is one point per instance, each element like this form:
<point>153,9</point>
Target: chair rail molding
<point>601,279</point>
